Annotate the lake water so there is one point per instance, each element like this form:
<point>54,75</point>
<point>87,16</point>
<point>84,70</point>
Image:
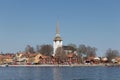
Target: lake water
<point>59,73</point>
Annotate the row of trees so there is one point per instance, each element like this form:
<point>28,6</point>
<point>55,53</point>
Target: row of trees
<point>88,51</point>
<point>82,51</point>
<point>45,49</point>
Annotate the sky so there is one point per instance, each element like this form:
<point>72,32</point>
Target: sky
<point>95,23</point>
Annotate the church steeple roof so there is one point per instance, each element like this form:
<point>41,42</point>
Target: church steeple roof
<point>57,28</point>
<point>57,37</point>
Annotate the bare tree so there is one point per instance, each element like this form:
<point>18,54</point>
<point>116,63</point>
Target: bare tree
<point>82,50</point>
<point>91,51</point>
<point>45,49</point>
<point>60,55</point>
<point>29,49</point>
<point>38,47</point>
<point>86,50</point>
<point>111,54</point>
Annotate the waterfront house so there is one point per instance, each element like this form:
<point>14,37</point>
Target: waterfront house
<point>37,58</point>
<point>44,59</point>
<point>20,58</point>
<point>104,60</point>
<point>92,60</point>
<point>8,58</point>
<point>117,59</point>
<point>1,59</point>
<point>30,57</point>
<point>72,58</point>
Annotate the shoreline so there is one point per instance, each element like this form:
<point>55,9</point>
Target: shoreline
<point>56,65</point>
<point>63,65</point>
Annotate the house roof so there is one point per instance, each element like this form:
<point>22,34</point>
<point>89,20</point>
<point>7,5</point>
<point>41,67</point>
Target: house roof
<point>71,55</point>
<point>24,54</point>
<point>69,48</point>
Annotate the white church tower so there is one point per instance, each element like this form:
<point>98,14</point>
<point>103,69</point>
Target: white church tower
<point>57,42</point>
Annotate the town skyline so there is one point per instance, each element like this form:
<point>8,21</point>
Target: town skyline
<point>94,23</point>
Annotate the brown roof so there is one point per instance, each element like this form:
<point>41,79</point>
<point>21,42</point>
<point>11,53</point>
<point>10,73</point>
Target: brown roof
<point>44,57</point>
<point>70,55</point>
<point>4,56</point>
<point>24,54</point>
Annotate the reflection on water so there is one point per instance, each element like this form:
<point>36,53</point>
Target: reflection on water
<point>60,73</point>
<point>57,74</point>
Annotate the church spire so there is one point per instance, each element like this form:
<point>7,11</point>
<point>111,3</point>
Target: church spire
<point>57,37</point>
<point>57,29</point>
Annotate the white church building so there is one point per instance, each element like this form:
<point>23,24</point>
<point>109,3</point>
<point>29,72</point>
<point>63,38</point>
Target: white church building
<point>57,42</point>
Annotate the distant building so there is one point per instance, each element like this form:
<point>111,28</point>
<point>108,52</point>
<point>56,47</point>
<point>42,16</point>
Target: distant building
<point>57,42</point>
<point>69,49</point>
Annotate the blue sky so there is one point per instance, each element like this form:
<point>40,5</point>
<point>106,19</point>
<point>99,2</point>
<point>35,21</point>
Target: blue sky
<point>90,22</point>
